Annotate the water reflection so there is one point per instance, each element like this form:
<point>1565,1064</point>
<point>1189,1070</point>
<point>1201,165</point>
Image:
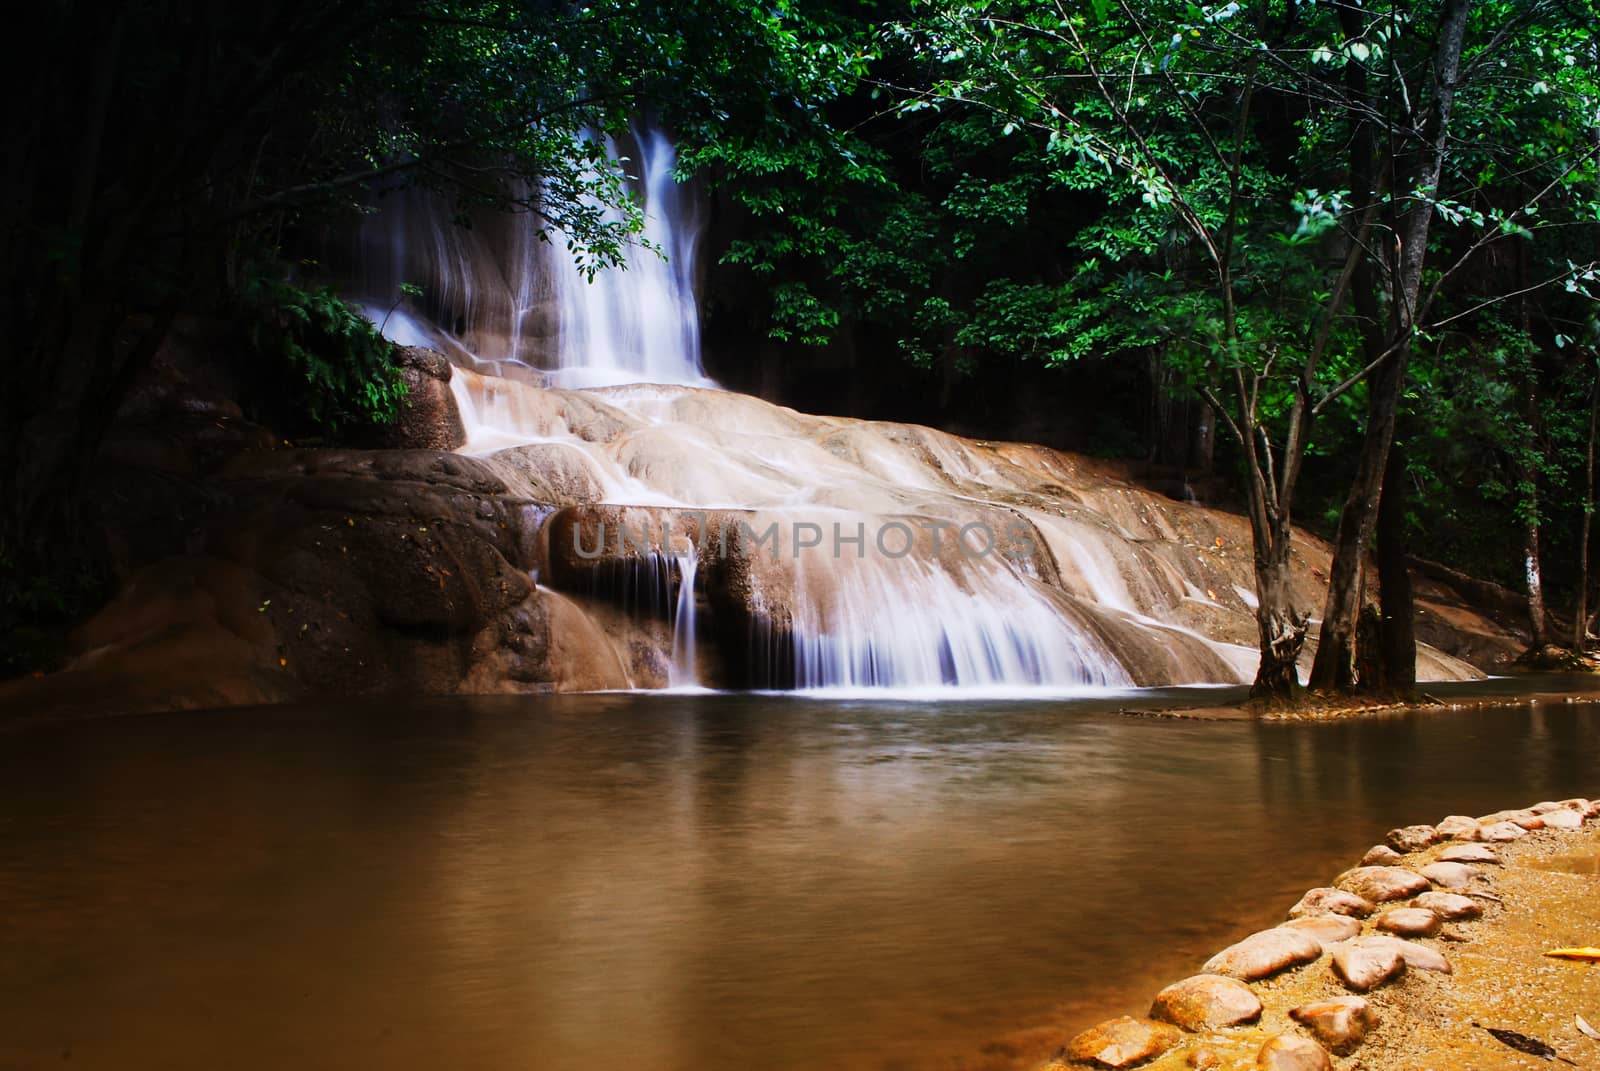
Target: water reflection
<point>676,882</point>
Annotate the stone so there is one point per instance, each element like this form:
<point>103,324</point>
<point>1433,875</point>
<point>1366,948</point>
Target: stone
<point>1205,1058</point>
<point>1587,808</point>
<point>1206,1002</point>
<point>1380,855</point>
<point>1449,875</point>
<point>1417,957</point>
<point>1412,838</point>
<point>1563,819</point>
<point>1364,964</point>
<point>1408,922</point>
<point>1264,954</point>
<point>1327,929</point>
<point>1458,827</point>
<point>1546,807</point>
<point>1327,901</point>
<point>1500,832</point>
<point>429,418</point>
<point>1291,1052</point>
<point>1340,1023</point>
<point>1122,1042</point>
<point>1524,818</point>
<point>1382,883</point>
<point>1469,853</point>
<point>1452,907</point>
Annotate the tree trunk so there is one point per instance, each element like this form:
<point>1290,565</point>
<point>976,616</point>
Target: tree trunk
<point>1397,638</point>
<point>1280,627</point>
<point>1334,668</point>
<point>1530,545</point>
<point>1580,619</point>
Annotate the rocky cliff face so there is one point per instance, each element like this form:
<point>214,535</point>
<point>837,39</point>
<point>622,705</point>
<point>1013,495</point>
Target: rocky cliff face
<point>514,538</point>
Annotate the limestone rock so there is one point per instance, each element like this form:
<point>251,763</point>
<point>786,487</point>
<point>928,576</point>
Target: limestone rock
<point>429,418</point>
<point>1380,855</point>
<point>1340,1023</point>
<point>1458,827</point>
<point>1412,838</point>
<point>1290,1052</point>
<point>1546,807</point>
<point>1381,883</point>
<point>1327,901</point>
<point>1469,853</point>
<point>1417,957</point>
<point>1206,1002</point>
<point>1449,875</point>
<point>1122,1042</point>
<point>1450,906</point>
<point>1265,953</point>
<point>1327,929</point>
<point>1408,922</point>
<point>1563,819</point>
<point>1500,832</point>
<point>1365,963</point>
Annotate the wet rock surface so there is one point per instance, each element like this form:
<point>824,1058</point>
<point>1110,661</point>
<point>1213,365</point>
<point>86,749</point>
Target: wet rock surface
<point>1449,875</point>
<point>1412,838</point>
<point>1468,853</point>
<point>1206,1002</point>
<point>1264,954</point>
<point>1290,1052</point>
<point>1452,907</point>
<point>1122,1042</point>
<point>1339,1023</point>
<point>1408,922</point>
<point>1380,884</point>
<point>1363,965</point>
<point>1329,901</point>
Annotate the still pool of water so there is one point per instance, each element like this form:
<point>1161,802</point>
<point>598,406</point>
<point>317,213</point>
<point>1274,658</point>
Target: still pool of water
<point>669,883</point>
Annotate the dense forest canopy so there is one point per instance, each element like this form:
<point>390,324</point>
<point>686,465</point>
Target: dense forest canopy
<point>1347,251</point>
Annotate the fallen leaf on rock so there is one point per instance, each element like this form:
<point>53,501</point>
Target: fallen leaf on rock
<point>1523,1043</point>
<point>1584,955</point>
<point>1585,1028</point>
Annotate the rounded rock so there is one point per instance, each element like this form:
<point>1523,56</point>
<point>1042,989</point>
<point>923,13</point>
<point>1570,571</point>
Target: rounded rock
<point>1340,1023</point>
<point>1449,875</point>
<point>1469,853</point>
<point>1500,832</point>
<point>1408,922</point>
<point>1412,838</point>
<point>1327,901</point>
<point>1327,929</point>
<point>1264,954</point>
<point>1383,883</point>
<point>1206,1002</point>
<point>1380,855</point>
<point>1546,807</point>
<point>1563,819</point>
<point>1290,1052</point>
<point>1205,1059</point>
<point>1450,906</point>
<point>1122,1042</point>
<point>1458,827</point>
<point>1417,957</point>
<point>1364,964</point>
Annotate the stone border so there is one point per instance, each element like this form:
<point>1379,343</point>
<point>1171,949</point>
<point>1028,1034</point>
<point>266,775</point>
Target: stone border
<point>1366,926</point>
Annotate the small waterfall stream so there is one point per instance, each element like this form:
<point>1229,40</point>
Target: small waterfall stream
<point>685,672</point>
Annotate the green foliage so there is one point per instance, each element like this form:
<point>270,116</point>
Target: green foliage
<point>329,361</point>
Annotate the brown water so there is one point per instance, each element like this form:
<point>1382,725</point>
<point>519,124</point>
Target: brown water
<point>678,882</point>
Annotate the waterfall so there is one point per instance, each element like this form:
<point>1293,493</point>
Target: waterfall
<point>685,673</point>
<point>499,298</point>
<point>907,625</point>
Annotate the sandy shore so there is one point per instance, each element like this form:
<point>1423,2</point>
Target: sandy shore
<point>1460,978</point>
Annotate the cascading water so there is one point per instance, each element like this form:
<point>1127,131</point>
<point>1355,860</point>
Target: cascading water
<point>685,672</point>
<point>498,298</point>
<point>549,366</point>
